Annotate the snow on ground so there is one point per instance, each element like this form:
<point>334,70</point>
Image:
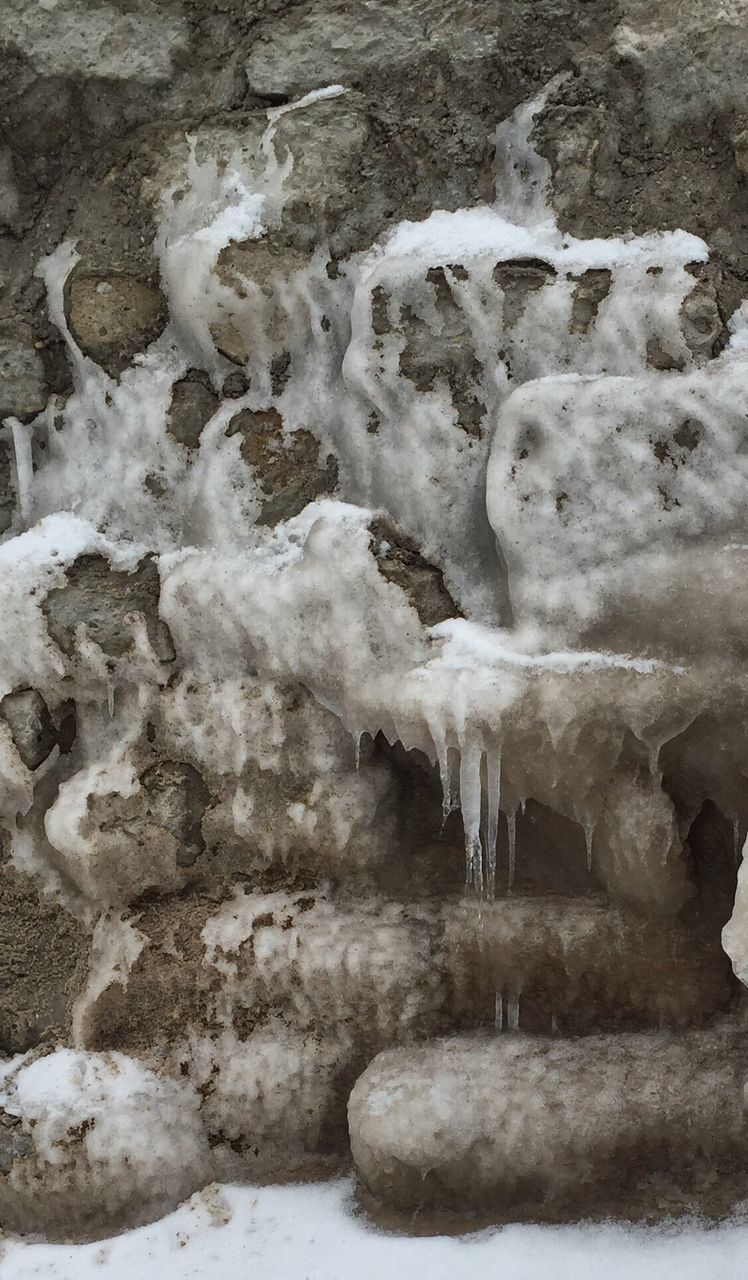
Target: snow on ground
<point>310,1233</point>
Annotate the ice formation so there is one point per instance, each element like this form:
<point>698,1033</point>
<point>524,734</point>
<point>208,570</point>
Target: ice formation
<point>480,501</point>
<point>473,1125</point>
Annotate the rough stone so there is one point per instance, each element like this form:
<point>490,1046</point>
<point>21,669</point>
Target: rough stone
<point>75,38</point>
<point>27,716</point>
<point>100,599</point>
<point>43,954</point>
<point>290,468</point>
<point>192,404</point>
<point>22,383</point>
<point>113,317</point>
<point>400,561</point>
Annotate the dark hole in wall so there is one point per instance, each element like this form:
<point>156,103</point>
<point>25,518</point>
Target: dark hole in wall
<point>428,859</point>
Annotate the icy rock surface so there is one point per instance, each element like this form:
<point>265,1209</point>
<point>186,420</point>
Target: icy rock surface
<point>487,1125</point>
<point>363,504</point>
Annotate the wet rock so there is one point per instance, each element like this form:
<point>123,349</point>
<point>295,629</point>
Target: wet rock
<point>10,201</point>
<point>267,264</point>
<point>193,403</point>
<point>703,326</point>
<point>290,468</point>
<point>235,385</point>
<point>43,952</point>
<point>27,716</point>
<point>688,68</point>
<point>113,317</point>
<point>400,561</point>
<point>740,147</point>
<point>100,599</point>
<point>176,798</point>
<point>132,837</point>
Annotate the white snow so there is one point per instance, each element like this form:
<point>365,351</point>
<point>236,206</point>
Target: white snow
<point>310,1233</point>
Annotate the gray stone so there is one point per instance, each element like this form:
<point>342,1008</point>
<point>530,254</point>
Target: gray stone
<point>27,716</point>
<point>22,385</point>
<point>71,37</point>
<point>193,403</point>
<point>99,599</point>
<point>319,46</point>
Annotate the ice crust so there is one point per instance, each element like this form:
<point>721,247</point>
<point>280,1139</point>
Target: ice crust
<point>460,1123</point>
<point>587,511</point>
<point>615,493</point>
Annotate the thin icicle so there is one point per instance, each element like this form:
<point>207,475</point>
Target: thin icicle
<point>736,840</point>
<point>589,834</point>
<point>493,782</point>
<point>498,1015</point>
<point>439,739</point>
<point>24,467</point>
<point>470,803</point>
<point>512,1012</point>
<point>511,822</point>
<point>110,698</point>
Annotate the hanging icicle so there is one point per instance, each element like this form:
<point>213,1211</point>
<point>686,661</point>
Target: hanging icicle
<point>493,785</point>
<point>511,822</point>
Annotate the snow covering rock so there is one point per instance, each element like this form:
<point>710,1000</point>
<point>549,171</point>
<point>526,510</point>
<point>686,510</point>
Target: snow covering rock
<point>106,1140</point>
<point>364,460</point>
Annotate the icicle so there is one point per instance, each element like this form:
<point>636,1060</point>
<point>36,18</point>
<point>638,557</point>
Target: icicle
<point>498,1016</point>
<point>357,749</point>
<point>589,833</point>
<point>110,698</point>
<point>511,822</point>
<point>736,840</point>
<point>493,782</point>
<point>24,467</point>
<point>554,1024</point>
<point>654,763</point>
<point>470,803</point>
<point>439,739</point>
<point>512,1012</point>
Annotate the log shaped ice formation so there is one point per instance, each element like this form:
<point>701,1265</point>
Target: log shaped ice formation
<point>481,497</point>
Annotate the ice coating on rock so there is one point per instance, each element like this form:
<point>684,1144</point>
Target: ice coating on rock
<point>459,1122</point>
<point>98,1134</point>
<point>477,498</point>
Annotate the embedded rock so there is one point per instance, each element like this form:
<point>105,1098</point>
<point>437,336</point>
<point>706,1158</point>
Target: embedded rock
<point>114,317</point>
<point>44,958</point>
<point>22,384</point>
<point>505,1125</point>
